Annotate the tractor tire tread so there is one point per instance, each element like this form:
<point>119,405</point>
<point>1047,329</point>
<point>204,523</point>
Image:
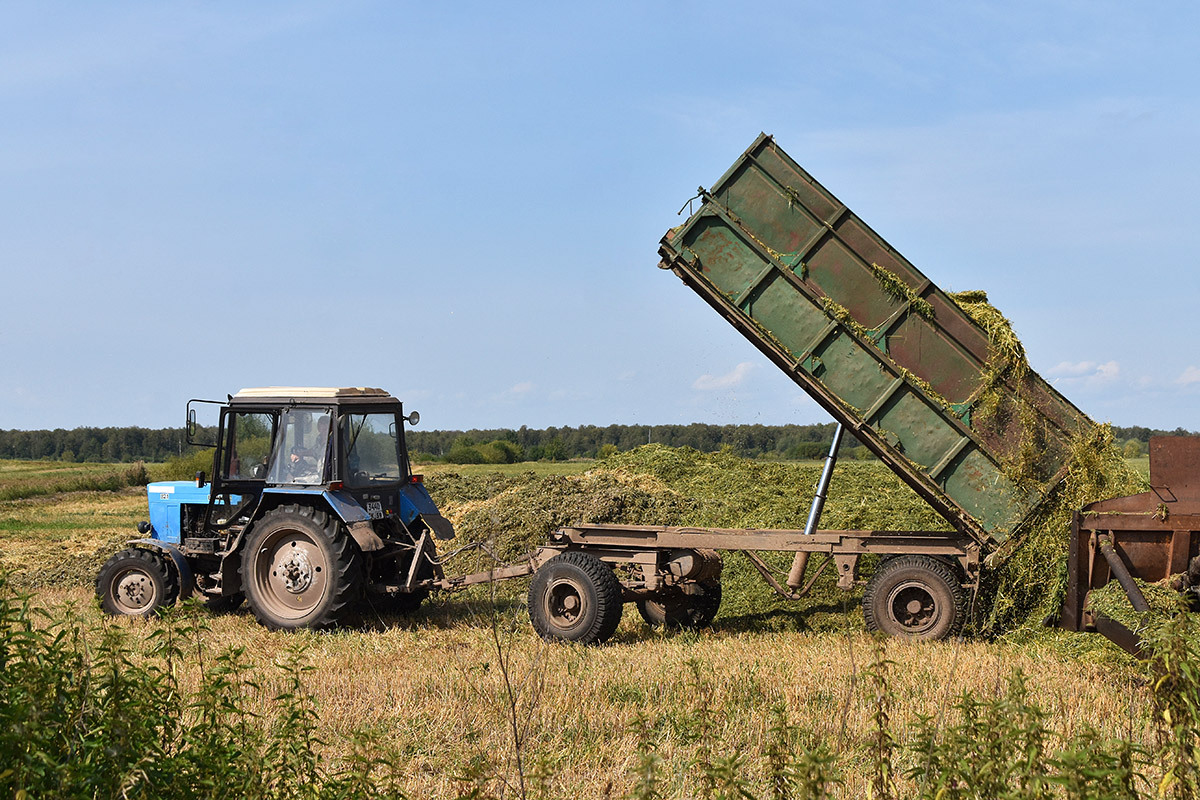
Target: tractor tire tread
<point>154,563</point>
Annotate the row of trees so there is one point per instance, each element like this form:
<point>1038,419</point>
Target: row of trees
<point>589,441</point>
<point>94,444</point>
<point>503,445</point>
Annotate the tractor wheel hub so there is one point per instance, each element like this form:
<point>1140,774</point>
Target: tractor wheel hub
<point>296,571</point>
<point>135,589</point>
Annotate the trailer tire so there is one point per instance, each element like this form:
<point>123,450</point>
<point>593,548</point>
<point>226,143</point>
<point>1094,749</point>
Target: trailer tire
<point>300,569</point>
<point>136,582</point>
<point>915,597</point>
<point>575,597</point>
<point>689,607</point>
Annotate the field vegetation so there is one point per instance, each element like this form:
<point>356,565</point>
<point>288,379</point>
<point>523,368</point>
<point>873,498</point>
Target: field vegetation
<point>462,700</point>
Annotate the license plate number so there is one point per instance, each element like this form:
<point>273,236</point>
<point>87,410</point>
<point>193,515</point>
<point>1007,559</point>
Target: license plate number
<point>375,509</point>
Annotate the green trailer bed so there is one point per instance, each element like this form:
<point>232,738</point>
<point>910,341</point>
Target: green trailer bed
<point>887,353</point>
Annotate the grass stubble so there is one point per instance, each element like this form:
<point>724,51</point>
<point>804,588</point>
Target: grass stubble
<point>430,687</point>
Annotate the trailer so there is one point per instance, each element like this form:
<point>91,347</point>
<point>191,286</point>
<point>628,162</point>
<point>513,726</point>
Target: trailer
<point>891,357</point>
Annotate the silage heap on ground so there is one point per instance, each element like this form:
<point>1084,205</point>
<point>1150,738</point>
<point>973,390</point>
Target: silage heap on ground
<point>657,485</point>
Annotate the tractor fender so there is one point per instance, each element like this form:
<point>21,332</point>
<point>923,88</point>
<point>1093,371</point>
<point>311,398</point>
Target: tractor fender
<point>415,501</point>
<point>344,507</point>
<point>186,581</point>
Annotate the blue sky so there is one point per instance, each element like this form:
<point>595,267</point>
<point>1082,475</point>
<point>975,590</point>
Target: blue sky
<point>461,203</point>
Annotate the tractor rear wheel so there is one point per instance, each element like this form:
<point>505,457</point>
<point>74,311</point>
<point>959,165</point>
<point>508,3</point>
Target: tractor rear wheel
<point>688,607</point>
<point>136,582</point>
<point>576,597</point>
<point>300,569</point>
<point>915,597</point>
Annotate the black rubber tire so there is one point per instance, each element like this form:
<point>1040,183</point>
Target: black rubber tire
<point>137,582</point>
<point>689,607</point>
<point>300,569</point>
<point>575,597</point>
<point>915,597</point>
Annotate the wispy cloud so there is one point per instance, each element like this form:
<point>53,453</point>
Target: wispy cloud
<point>1086,371</point>
<point>1190,375</point>
<point>518,389</point>
<point>735,377</point>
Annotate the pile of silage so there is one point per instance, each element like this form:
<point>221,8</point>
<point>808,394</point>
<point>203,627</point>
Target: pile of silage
<point>658,485</point>
<point>1028,579</point>
<point>515,519</point>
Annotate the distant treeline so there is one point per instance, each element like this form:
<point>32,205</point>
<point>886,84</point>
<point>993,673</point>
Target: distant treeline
<point>494,445</point>
<point>589,441</point>
<point>95,444</point>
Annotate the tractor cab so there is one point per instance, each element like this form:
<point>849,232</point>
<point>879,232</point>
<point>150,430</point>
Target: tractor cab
<point>346,445</point>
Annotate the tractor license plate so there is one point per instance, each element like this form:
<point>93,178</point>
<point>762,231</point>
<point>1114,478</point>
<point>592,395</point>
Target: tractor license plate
<point>375,509</point>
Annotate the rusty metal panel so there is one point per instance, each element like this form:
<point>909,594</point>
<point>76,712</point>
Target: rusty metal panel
<point>799,274</point>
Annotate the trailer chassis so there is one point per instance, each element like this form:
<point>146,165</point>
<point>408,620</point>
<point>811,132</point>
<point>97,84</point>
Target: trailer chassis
<point>673,573</point>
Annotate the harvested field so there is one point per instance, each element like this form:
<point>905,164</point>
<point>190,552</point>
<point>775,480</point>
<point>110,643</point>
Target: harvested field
<point>431,690</point>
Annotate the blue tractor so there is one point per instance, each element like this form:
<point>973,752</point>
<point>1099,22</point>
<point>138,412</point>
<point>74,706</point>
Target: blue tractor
<point>312,506</point>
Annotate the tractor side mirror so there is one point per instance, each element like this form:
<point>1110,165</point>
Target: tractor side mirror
<point>202,433</point>
<point>413,418</point>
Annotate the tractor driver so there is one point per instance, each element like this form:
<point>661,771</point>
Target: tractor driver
<point>311,459</point>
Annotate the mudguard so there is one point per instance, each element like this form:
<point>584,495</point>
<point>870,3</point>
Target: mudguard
<point>186,581</point>
<point>415,501</point>
<point>348,510</point>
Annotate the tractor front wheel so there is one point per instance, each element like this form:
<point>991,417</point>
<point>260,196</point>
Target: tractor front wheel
<point>136,583</point>
<point>300,569</point>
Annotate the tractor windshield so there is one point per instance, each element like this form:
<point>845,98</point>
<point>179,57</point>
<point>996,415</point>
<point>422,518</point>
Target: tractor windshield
<point>302,447</point>
<point>372,449</point>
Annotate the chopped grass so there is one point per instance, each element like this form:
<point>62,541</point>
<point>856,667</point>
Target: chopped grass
<point>900,291</point>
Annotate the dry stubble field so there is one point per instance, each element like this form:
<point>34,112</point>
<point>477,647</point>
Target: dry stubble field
<point>432,685</point>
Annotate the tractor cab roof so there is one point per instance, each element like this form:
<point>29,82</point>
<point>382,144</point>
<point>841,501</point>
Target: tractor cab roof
<point>323,395</point>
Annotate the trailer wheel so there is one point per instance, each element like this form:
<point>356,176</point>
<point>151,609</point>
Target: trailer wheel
<point>915,597</point>
<point>576,597</point>
<point>690,607</point>
<point>136,582</point>
<point>300,569</point>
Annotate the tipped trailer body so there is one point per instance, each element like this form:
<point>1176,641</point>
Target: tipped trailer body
<point>886,352</point>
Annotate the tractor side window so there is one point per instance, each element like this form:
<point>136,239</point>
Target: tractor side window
<point>249,446</point>
<point>372,449</point>
<point>302,448</point>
